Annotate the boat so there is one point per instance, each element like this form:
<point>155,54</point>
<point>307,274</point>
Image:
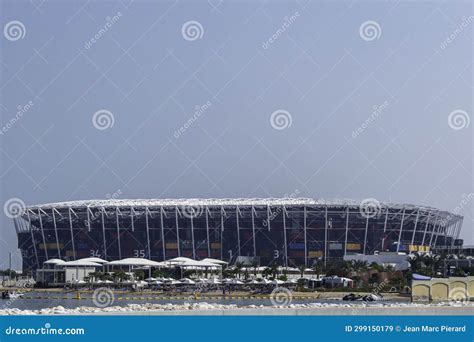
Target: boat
<point>351,297</point>
<point>12,295</point>
<point>371,297</point>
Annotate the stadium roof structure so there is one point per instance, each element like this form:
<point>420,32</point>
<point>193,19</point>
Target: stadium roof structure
<point>214,202</point>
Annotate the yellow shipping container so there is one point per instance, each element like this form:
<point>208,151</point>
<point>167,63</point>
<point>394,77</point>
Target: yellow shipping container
<point>171,245</point>
<point>315,254</point>
<point>353,246</point>
<point>50,245</point>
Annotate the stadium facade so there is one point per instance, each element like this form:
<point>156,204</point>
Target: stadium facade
<point>289,231</point>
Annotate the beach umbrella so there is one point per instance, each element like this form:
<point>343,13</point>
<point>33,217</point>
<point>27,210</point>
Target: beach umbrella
<point>277,282</point>
<point>187,281</point>
<point>213,281</point>
<point>150,279</point>
<point>156,282</point>
<point>175,282</point>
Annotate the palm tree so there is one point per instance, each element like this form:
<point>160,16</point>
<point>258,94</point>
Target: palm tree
<point>317,268</point>
<point>254,266</point>
<point>302,268</point>
<point>238,268</point>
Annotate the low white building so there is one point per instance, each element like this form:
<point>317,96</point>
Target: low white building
<point>399,261</point>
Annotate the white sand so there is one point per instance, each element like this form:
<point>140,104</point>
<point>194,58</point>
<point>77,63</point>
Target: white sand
<point>202,308</point>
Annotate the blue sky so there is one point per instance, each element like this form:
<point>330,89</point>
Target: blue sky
<point>370,99</point>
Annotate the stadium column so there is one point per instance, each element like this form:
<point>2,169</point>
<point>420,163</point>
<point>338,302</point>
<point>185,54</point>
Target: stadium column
<point>401,230</point>
<point>284,236</point>
<point>460,225</point>
<point>452,231</point>
<point>426,228</point>
<point>103,232</point>
<point>56,233</point>
<point>162,233</point>
<point>441,227</point>
<point>222,230</point>
<point>237,214</point>
<point>192,232</point>
<point>269,213</point>
<point>253,233</point>
<point>325,236</point>
<point>147,211</point>
<point>305,238</point>
<point>131,219</point>
<point>365,235</point>
<point>88,219</point>
<point>416,224</point>
<point>385,228</point>
<point>72,233</point>
<point>42,234</point>
<point>32,237</point>
<point>118,232</point>
<point>207,233</point>
<point>177,230</point>
<point>347,230</point>
<point>434,229</point>
<point>455,230</point>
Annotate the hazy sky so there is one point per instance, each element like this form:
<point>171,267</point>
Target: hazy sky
<point>142,99</point>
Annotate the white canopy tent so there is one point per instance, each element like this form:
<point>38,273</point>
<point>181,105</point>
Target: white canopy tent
<point>215,261</point>
<point>94,259</point>
<point>132,263</point>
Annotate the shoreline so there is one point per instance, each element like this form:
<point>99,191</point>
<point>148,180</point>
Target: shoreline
<point>206,309</point>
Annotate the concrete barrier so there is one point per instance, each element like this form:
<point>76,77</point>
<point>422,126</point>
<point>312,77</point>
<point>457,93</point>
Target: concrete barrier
<point>442,289</point>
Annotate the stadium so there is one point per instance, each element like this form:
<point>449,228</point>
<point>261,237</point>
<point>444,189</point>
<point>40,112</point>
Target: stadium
<point>288,231</point>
